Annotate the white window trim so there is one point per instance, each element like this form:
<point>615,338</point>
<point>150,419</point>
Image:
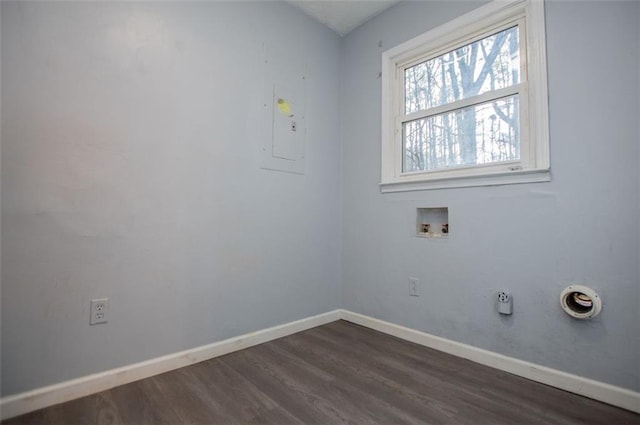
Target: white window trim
<point>535,167</point>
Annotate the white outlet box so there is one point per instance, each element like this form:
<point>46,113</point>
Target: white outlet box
<point>99,311</point>
<point>414,287</point>
<point>505,303</point>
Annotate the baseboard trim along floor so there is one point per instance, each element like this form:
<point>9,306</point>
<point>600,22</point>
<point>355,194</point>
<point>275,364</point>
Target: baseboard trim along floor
<point>39,398</point>
<point>606,393</point>
<point>29,401</point>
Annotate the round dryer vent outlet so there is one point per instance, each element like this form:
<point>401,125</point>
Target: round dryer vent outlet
<point>580,302</point>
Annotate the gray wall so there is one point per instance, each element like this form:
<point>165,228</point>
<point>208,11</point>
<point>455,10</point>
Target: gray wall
<point>532,239</point>
<point>130,170</point>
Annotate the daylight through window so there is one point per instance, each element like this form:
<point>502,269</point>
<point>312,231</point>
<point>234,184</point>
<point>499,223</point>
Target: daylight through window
<point>458,125</point>
<point>463,104</point>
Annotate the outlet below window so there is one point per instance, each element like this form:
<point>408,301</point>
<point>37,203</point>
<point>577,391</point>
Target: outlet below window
<point>99,311</point>
<point>432,222</point>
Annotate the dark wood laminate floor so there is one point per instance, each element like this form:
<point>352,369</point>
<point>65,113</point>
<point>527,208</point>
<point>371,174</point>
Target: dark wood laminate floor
<point>334,374</point>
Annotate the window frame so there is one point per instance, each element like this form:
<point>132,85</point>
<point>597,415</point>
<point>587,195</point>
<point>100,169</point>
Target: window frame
<point>534,163</point>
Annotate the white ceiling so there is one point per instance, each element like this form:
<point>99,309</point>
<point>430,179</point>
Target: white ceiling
<point>343,16</point>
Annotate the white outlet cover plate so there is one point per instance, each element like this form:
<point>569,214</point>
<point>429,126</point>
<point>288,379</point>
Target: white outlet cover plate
<point>99,311</point>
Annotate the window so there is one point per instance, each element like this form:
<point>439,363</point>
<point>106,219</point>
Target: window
<point>466,103</point>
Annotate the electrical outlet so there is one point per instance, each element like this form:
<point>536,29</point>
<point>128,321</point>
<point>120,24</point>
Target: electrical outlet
<point>505,303</point>
<point>414,287</point>
<point>503,297</point>
<point>99,311</point>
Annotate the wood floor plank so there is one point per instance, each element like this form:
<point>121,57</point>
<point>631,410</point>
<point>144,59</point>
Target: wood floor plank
<point>433,387</point>
<point>33,418</point>
<point>313,389</point>
<point>359,374</point>
<point>276,416</point>
<point>142,403</point>
<point>233,398</point>
<point>358,396</point>
<point>302,406</point>
<point>339,373</point>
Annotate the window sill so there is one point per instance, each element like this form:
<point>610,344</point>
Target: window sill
<point>496,179</point>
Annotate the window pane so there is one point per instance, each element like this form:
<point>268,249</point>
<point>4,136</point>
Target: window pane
<point>481,134</point>
<point>487,64</point>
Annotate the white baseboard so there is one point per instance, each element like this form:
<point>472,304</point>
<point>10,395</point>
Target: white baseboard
<point>596,390</point>
<point>29,401</point>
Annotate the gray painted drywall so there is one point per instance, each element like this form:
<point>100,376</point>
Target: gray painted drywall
<point>638,105</point>
<point>122,177</point>
<point>130,170</point>
<point>531,239</point>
